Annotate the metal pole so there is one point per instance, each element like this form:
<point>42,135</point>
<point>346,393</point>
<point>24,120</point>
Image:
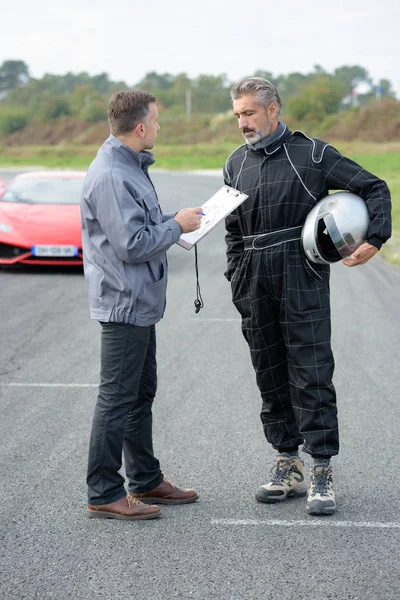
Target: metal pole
<point>188,103</point>
<point>378,92</point>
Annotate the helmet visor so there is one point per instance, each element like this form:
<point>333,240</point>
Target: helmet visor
<point>344,242</point>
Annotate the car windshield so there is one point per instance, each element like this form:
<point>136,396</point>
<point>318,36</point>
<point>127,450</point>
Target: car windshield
<point>60,190</point>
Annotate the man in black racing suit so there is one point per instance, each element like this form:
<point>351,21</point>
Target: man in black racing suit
<point>282,298</point>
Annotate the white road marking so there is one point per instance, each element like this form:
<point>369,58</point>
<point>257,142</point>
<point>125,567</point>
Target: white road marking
<point>66,385</point>
<point>324,522</point>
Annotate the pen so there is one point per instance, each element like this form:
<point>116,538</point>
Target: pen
<point>204,214</point>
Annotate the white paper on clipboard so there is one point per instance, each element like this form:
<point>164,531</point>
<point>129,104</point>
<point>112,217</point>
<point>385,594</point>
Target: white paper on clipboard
<point>219,206</point>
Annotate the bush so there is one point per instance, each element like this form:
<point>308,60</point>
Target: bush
<point>12,120</point>
<point>55,109</point>
<point>94,111</point>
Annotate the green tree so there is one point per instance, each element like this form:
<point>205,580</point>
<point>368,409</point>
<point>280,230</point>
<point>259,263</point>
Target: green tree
<point>290,85</point>
<point>318,70</point>
<point>211,94</point>
<point>383,89</point>
<point>94,112</point>
<point>386,89</point>
<point>350,77</point>
<point>82,96</point>
<point>13,74</point>
<point>30,96</point>
<point>321,97</point>
<point>12,119</point>
<point>264,74</point>
<point>54,106</point>
<point>156,81</point>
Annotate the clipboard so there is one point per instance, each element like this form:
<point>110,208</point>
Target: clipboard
<point>219,206</point>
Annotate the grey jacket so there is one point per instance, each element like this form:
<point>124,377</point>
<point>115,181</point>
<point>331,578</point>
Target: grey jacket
<point>125,237</point>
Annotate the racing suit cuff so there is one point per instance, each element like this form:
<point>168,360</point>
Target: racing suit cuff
<point>375,241</point>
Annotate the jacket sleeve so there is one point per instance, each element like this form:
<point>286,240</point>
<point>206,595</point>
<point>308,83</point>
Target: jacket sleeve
<point>341,173</point>
<point>167,216</point>
<point>233,237</point>
<point>134,237</point>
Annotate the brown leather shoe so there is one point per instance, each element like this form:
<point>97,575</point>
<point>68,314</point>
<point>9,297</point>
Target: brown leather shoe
<point>166,493</point>
<point>126,508</point>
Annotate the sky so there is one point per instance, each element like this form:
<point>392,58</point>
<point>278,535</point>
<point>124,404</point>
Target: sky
<point>128,38</point>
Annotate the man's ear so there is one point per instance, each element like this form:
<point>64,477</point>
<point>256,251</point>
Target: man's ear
<point>140,130</point>
<point>273,110</point>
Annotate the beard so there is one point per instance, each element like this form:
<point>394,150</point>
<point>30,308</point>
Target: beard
<point>256,134</point>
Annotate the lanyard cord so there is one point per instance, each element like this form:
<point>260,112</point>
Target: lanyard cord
<point>198,303</point>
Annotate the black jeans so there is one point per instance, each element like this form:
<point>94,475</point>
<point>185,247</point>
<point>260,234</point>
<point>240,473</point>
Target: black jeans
<point>122,420</point>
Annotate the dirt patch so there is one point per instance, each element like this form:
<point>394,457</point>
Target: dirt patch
<point>59,132</point>
<point>379,122</point>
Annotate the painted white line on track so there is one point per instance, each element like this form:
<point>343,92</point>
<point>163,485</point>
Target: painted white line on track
<point>307,523</point>
<point>56,385</point>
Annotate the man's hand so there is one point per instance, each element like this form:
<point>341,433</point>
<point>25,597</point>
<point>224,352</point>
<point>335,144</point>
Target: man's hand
<point>189,219</point>
<point>361,255</point>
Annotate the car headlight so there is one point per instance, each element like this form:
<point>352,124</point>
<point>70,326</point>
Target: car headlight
<point>5,228</point>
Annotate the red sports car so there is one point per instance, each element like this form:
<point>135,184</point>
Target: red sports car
<point>40,221</point>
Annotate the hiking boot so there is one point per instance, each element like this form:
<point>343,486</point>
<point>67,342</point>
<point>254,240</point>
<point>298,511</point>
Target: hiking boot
<point>321,497</point>
<point>288,480</point>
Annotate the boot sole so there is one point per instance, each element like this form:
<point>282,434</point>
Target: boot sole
<point>275,499</point>
<point>320,509</point>
<point>167,501</point>
<point>105,515</point>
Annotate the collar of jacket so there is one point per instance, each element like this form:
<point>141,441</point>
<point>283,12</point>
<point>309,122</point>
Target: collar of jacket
<point>117,148</point>
<point>271,148</point>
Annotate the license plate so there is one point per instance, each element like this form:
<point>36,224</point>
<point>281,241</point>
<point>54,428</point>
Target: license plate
<point>59,251</point>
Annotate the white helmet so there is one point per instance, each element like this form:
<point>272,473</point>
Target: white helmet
<point>335,227</point>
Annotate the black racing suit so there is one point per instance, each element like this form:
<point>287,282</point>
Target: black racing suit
<point>283,299</point>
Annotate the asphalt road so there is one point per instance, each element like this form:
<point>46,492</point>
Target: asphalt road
<point>207,434</point>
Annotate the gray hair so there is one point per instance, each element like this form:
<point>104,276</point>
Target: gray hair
<point>128,108</point>
<point>263,90</point>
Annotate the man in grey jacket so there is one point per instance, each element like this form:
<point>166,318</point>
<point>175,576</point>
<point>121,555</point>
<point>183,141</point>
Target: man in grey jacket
<point>125,237</point>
